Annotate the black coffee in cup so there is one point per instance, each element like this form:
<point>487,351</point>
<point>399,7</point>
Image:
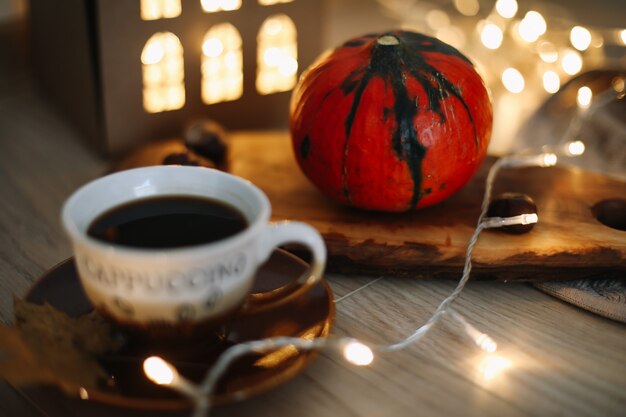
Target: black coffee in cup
<point>168,222</point>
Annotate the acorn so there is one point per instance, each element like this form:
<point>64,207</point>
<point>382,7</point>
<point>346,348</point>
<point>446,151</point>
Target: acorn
<point>510,205</point>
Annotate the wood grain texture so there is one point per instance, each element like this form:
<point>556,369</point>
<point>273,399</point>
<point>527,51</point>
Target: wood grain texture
<point>568,242</point>
<point>565,361</point>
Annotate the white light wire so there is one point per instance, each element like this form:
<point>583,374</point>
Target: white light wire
<point>207,387</point>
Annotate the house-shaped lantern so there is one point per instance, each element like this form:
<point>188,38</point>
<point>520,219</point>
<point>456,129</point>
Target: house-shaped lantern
<point>128,71</point>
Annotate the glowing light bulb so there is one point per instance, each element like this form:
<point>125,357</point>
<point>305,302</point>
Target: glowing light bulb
<point>580,38</point>
<point>530,218</point>
<point>491,36</point>
<point>551,82</point>
<point>571,62</point>
<point>210,5</point>
<point>506,8</point>
<point>272,56</point>
<point>549,160</point>
<point>575,148</point>
<point>622,36</point>
<point>83,394</point>
<point>486,343</point>
<point>159,371</point>
<point>547,52</point>
<point>494,365</point>
<point>619,85</point>
<point>358,354</point>
<point>153,53</point>
<point>228,5</point>
<point>532,26</point>
<point>467,7</point>
<point>274,27</point>
<point>212,47</point>
<point>288,66</point>
<point>584,96</point>
<point>513,80</point>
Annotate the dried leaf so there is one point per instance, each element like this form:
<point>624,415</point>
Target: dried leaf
<point>18,363</point>
<point>48,346</point>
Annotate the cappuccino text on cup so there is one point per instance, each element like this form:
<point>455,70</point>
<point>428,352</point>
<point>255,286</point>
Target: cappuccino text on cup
<point>205,282</point>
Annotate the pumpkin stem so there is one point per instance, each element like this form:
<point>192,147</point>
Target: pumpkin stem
<point>388,40</point>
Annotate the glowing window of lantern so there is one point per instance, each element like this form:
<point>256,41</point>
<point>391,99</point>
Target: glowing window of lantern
<point>212,6</point>
<point>222,64</point>
<point>160,9</point>
<point>277,55</point>
<point>272,2</point>
<point>163,73</point>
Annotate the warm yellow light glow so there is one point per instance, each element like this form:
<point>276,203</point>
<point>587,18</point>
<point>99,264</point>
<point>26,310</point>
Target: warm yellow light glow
<point>494,365</point>
<point>153,53</point>
<point>83,394</point>
<point>547,52</point>
<point>486,343</point>
<point>551,81</point>
<point>506,8</point>
<point>159,371</point>
<point>212,47</point>
<point>272,56</point>
<point>271,2</point>
<point>163,73</point>
<point>622,36</point>
<point>550,160</point>
<point>575,148</point>
<point>160,9</point>
<point>212,6</point>
<point>467,7</point>
<point>358,354</point>
<point>491,36</point>
<point>277,55</point>
<point>584,96</point>
<point>222,64</point>
<point>437,19</point>
<point>513,80</point>
<point>571,62</point>
<point>288,66</point>
<point>532,26</point>
<point>530,218</point>
<point>619,85</point>
<point>580,38</point>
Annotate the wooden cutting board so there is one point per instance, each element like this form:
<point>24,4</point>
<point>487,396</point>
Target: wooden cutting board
<point>567,243</point>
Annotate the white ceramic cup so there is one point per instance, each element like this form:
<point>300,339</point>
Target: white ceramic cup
<point>206,282</point>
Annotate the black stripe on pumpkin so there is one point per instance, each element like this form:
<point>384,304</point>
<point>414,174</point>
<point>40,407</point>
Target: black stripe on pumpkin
<point>305,147</point>
<point>386,63</point>
<point>391,63</point>
<point>434,83</point>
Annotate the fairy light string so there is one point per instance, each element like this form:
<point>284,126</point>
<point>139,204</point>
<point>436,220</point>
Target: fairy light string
<point>358,352</point>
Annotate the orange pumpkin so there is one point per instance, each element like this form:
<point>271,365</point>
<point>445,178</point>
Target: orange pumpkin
<point>391,121</point>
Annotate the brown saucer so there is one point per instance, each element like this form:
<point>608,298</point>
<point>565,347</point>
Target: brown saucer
<point>310,316</point>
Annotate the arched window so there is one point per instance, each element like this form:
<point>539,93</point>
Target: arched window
<point>163,73</point>
<point>212,6</point>
<point>272,2</point>
<point>222,64</point>
<point>159,9</point>
<point>277,55</point>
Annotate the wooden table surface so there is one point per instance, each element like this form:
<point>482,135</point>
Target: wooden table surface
<point>564,361</point>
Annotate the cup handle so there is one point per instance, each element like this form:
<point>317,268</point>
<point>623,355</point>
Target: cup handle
<point>275,235</point>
